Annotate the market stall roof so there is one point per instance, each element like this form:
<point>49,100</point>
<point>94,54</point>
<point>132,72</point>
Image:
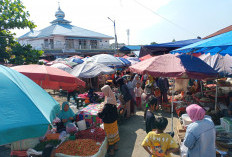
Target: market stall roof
<point>130,48</point>
<point>26,108</point>
<point>222,64</point>
<point>133,60</point>
<point>90,70</point>
<point>181,66</point>
<point>50,78</point>
<point>160,49</point>
<point>221,44</point>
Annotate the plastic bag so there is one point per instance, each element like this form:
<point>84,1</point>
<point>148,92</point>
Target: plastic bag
<point>71,128</point>
<point>183,150</point>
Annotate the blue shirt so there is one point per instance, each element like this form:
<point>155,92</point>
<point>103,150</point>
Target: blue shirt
<point>200,138</point>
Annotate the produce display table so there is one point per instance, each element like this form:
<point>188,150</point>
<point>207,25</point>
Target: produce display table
<point>101,153</point>
<point>89,113</point>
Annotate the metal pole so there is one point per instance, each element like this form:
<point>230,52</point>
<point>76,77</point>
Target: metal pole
<point>216,96</point>
<point>115,36</point>
<point>173,85</point>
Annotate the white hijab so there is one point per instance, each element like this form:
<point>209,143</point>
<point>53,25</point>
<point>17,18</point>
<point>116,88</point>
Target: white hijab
<point>109,95</point>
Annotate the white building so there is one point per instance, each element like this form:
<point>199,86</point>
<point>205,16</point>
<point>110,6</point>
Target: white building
<point>63,38</point>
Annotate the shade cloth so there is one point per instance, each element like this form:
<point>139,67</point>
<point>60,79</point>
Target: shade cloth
<point>26,109</point>
<point>50,78</point>
<point>181,66</point>
<point>90,70</point>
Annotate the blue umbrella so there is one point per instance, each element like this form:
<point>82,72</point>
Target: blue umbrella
<point>221,44</point>
<point>77,60</point>
<point>26,109</point>
<point>125,61</point>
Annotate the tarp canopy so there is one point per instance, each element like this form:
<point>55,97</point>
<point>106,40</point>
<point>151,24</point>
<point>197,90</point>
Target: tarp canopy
<point>26,109</point>
<point>160,49</point>
<point>222,64</point>
<point>181,66</point>
<point>90,70</point>
<point>129,48</point>
<point>221,44</point>
<point>133,60</point>
<point>125,61</point>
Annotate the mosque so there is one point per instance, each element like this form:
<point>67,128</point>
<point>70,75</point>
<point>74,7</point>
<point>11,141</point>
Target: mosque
<point>63,39</point>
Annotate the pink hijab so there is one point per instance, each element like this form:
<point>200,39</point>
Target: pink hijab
<point>195,112</point>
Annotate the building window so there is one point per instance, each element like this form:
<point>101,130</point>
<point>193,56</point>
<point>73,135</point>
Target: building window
<point>46,43</point>
<point>69,44</point>
<point>82,43</point>
<point>106,41</point>
<point>52,43</point>
<point>93,44</point>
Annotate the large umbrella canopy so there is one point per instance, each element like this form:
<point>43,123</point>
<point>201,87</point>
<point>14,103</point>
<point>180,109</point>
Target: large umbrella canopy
<point>26,109</point>
<point>90,70</point>
<point>182,66</point>
<point>50,78</point>
<point>221,44</point>
<point>222,64</point>
<point>106,59</point>
<point>125,61</point>
<point>62,66</point>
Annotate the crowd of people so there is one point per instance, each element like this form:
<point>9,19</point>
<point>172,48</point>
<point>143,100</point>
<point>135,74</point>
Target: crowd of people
<point>136,92</point>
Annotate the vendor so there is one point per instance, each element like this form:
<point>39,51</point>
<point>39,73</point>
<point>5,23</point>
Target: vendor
<point>230,105</point>
<point>66,114</point>
<point>109,116</point>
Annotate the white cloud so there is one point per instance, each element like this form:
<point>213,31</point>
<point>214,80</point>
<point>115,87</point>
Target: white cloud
<point>92,14</point>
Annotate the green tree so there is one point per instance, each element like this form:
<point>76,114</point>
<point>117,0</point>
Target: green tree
<point>13,15</point>
<point>153,43</point>
<point>173,40</point>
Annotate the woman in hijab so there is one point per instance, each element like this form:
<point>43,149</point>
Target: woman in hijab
<point>125,96</point>
<point>109,116</point>
<point>200,135</point>
<point>66,114</point>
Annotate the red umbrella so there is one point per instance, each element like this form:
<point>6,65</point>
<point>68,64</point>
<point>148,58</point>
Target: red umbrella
<point>145,57</point>
<point>183,66</point>
<point>50,78</point>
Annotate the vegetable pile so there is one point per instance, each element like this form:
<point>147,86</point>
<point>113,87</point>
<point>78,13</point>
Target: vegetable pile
<point>97,134</point>
<point>79,147</point>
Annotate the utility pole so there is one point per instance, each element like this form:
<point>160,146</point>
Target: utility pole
<point>128,35</point>
<point>116,42</point>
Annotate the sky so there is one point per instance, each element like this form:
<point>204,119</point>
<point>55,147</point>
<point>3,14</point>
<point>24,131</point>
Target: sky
<point>147,20</point>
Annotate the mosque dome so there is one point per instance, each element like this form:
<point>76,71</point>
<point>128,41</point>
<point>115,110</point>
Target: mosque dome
<point>60,14</point>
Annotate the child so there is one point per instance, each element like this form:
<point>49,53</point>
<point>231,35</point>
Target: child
<point>157,143</point>
<point>138,92</point>
<point>149,115</point>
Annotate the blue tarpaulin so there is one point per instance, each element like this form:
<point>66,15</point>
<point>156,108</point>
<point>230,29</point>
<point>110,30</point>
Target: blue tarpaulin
<point>221,44</point>
<point>125,61</point>
<point>26,109</point>
<point>159,49</point>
